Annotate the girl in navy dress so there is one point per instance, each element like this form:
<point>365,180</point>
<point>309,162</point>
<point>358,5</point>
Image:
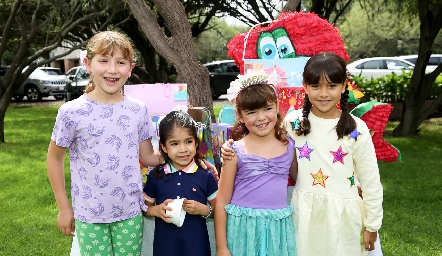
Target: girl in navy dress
<point>180,177</point>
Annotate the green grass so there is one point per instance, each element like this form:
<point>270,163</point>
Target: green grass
<point>412,195</point>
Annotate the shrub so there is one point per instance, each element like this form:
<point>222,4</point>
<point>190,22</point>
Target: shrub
<point>390,88</point>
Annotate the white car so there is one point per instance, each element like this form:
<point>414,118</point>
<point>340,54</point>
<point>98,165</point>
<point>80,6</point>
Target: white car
<point>379,66</point>
<point>434,61</point>
<point>77,79</point>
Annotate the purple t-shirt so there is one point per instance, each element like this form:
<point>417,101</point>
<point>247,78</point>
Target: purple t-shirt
<point>103,141</point>
<point>261,183</point>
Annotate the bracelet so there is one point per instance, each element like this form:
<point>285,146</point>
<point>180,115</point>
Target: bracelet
<point>210,212</point>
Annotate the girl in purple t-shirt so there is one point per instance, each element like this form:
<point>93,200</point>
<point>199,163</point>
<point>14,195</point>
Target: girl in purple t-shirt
<point>251,215</point>
<point>107,134</point>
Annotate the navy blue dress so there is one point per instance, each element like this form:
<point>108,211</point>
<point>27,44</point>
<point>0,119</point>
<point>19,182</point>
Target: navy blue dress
<point>193,183</point>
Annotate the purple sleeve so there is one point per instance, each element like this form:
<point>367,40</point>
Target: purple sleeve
<point>147,128</point>
<point>64,129</point>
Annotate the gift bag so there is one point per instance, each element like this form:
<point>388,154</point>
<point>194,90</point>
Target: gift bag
<point>159,98</point>
<point>220,134</point>
<point>200,114</point>
<point>290,98</point>
<point>227,114</point>
<point>205,136</point>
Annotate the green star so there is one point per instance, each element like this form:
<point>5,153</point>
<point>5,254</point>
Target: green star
<point>352,179</point>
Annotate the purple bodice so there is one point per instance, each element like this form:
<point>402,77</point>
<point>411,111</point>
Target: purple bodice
<point>261,183</point>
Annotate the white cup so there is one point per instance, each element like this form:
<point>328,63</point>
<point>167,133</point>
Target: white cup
<point>178,214</point>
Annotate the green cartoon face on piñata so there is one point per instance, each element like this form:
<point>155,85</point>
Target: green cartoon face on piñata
<point>275,45</point>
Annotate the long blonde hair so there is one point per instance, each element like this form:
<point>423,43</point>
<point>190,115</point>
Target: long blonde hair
<point>105,43</point>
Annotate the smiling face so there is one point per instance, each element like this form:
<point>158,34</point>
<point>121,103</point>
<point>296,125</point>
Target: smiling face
<point>181,147</point>
<point>110,72</point>
<point>262,121</point>
<point>324,96</point>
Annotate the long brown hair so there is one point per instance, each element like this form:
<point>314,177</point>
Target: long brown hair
<point>254,97</point>
<point>333,68</point>
<point>105,43</point>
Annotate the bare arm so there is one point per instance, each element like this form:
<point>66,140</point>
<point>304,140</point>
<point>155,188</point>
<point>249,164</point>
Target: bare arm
<point>55,165</point>
<point>196,208</point>
<point>158,210</point>
<point>149,156</point>
<point>225,191</point>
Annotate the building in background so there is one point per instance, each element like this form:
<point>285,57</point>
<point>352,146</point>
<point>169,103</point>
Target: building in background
<point>65,63</point>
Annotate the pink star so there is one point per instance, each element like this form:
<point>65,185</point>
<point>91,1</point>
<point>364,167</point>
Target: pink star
<point>305,151</point>
<point>338,155</point>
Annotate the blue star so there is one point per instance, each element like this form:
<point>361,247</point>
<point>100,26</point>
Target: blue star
<point>354,134</point>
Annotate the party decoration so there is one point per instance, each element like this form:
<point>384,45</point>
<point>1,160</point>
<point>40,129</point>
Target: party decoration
<point>250,78</point>
<point>292,35</point>
<point>375,115</point>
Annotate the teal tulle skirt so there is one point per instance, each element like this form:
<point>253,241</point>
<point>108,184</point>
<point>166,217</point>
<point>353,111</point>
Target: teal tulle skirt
<point>260,232</point>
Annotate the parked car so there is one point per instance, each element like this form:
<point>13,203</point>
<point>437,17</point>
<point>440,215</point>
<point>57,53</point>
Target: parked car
<point>379,66</point>
<point>42,82</point>
<point>221,74</point>
<point>77,79</point>
<point>434,61</point>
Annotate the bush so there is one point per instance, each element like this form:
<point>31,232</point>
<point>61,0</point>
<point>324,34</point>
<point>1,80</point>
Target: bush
<point>390,88</point>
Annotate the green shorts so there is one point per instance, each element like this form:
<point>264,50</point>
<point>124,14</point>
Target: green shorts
<point>116,238</point>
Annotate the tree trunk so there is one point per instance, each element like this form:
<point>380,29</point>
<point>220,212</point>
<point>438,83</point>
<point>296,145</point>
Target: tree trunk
<point>291,6</point>
<point>4,103</point>
<point>177,49</point>
<point>420,84</point>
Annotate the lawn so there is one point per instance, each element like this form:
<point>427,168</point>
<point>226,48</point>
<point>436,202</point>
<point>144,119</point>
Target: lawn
<point>412,194</point>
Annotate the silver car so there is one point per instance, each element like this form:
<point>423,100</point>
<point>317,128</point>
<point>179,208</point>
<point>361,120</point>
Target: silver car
<point>42,82</point>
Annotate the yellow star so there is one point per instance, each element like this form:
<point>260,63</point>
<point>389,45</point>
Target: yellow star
<point>319,178</point>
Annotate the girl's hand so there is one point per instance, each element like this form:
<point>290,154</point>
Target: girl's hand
<point>223,252</point>
<point>210,167</point>
<point>360,191</point>
<point>369,239</point>
<point>159,210</point>
<point>226,152</point>
<point>195,208</point>
<point>66,222</point>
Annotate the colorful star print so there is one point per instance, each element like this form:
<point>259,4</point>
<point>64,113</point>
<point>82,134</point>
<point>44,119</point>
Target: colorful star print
<point>354,134</point>
<point>295,124</point>
<point>352,179</point>
<point>305,151</point>
<point>338,155</point>
<point>319,178</point>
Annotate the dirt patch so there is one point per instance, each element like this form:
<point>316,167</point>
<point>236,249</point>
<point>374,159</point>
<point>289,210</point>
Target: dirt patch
<point>41,104</point>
